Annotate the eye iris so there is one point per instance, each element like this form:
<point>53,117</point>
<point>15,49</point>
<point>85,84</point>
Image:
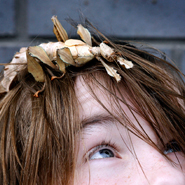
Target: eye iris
<point>173,146</point>
<point>106,153</point>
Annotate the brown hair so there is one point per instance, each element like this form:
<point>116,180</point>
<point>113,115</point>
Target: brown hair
<point>38,134</point>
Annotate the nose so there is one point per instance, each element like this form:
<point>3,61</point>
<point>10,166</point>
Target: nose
<point>166,176</point>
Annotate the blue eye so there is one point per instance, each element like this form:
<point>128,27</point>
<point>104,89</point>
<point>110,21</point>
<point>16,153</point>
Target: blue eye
<point>103,153</point>
<point>171,147</point>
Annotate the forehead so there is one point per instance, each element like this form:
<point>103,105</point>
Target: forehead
<point>95,99</point>
<point>104,105</point>
<point>106,111</point>
<point>88,106</point>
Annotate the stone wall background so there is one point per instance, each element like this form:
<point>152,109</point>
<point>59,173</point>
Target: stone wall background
<point>159,23</point>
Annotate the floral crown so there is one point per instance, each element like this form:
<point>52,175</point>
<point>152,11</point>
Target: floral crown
<point>65,52</point>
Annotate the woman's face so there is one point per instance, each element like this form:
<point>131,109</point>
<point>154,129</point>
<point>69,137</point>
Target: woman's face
<point>109,154</point>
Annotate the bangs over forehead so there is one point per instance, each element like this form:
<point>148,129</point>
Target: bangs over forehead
<point>150,92</point>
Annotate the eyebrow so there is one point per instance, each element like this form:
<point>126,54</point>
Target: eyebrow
<point>97,120</point>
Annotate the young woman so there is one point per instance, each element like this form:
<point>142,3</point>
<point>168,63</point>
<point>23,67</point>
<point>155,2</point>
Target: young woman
<point>112,115</point>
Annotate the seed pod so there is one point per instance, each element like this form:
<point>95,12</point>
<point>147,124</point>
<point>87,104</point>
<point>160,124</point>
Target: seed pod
<point>34,68</point>
<point>84,34</point>
<point>124,62</point>
<point>51,48</point>
<point>39,53</point>
<point>84,54</point>
<point>74,42</point>
<point>18,63</point>
<point>66,56</point>
<point>58,30</point>
<point>107,52</point>
<point>110,70</point>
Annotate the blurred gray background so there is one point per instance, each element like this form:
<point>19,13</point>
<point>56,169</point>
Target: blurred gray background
<point>159,23</point>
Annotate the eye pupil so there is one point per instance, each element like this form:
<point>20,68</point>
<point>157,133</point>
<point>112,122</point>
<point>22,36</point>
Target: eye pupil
<point>106,153</point>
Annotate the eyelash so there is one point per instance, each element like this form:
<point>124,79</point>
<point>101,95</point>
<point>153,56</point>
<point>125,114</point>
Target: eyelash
<point>103,145</point>
<point>172,147</point>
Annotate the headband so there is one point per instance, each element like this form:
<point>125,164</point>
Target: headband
<point>59,55</point>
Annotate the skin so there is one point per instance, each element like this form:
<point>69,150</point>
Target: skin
<point>129,160</point>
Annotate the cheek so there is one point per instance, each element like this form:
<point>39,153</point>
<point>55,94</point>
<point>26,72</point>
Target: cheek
<point>179,159</point>
<point>105,171</point>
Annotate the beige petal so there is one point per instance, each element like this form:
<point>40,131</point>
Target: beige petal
<point>18,63</point>
<point>107,52</point>
<point>126,63</point>
<point>66,56</point>
<point>39,53</point>
<point>51,49</point>
<point>2,88</point>
<point>84,54</point>
<point>73,51</point>
<point>95,51</point>
<point>58,30</point>
<point>34,68</point>
<point>84,34</point>
<point>111,71</point>
<point>61,64</point>
<point>84,51</point>
<point>82,60</point>
<point>6,82</point>
<point>74,42</point>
